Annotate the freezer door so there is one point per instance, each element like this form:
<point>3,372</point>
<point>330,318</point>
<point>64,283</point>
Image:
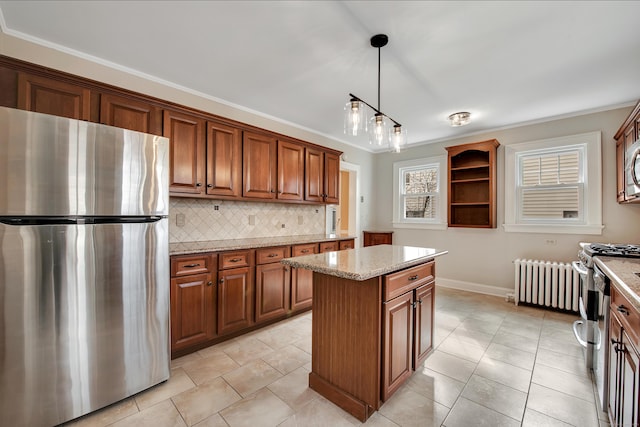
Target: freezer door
<point>84,317</point>
<point>54,166</point>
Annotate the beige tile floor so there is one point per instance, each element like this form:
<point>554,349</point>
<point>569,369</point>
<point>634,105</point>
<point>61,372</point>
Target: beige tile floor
<point>494,364</point>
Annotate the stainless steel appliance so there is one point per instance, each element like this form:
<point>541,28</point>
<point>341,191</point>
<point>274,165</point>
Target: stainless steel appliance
<point>84,276</point>
<point>599,309</point>
<point>632,169</point>
<point>584,328</point>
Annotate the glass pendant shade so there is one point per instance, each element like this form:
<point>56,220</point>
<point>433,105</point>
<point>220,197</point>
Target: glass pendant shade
<point>378,130</point>
<point>355,118</point>
<point>397,139</point>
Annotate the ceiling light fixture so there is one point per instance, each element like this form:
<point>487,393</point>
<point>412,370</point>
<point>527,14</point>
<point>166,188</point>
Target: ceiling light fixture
<point>460,119</point>
<point>355,117</point>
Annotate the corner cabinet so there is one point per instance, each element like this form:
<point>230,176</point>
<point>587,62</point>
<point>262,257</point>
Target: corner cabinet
<point>472,184</point>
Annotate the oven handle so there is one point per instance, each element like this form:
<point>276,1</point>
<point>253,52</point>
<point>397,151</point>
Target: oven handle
<point>582,342</point>
<point>580,268</point>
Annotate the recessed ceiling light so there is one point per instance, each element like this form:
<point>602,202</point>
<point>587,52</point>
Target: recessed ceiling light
<point>460,119</point>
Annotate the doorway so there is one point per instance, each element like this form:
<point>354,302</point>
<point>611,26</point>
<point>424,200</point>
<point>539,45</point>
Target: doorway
<point>348,209</point>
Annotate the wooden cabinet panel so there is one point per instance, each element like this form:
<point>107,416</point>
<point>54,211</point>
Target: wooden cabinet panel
<point>192,264</point>
<point>398,343</point>
<point>235,297</point>
<point>314,175</point>
<point>193,310</point>
<point>403,281</point>
<point>301,289</point>
<point>50,96</point>
<point>130,114</point>
<point>186,153</point>
<point>270,255</point>
<point>306,249</point>
<point>629,137</point>
<point>347,244</point>
<point>423,325</point>
<point>329,246</point>
<point>620,176</point>
<point>331,178</point>
<point>235,259</point>
<point>290,171</point>
<point>224,160</point>
<point>272,291</point>
<point>372,238</point>
<point>259,166</point>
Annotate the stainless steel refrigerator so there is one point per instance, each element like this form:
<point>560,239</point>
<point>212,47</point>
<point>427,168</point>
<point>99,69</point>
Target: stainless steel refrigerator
<point>84,266</point>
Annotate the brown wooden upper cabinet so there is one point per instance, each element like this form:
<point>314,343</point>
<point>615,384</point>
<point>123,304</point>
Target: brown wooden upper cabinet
<point>51,96</point>
<point>472,184</point>
<point>290,171</point>
<point>628,133</point>
<point>322,176</point>
<point>259,165</point>
<point>224,160</point>
<point>187,152</point>
<point>129,113</point>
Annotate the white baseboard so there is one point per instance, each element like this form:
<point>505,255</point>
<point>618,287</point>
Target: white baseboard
<point>473,287</point>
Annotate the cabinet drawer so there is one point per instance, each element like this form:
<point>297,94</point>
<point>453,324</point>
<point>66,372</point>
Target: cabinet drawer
<point>191,264</point>
<point>629,317</point>
<point>347,244</point>
<point>299,250</point>
<point>269,255</point>
<point>396,284</point>
<point>235,259</point>
<point>328,246</point>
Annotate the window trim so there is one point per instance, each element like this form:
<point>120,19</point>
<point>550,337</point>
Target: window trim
<point>592,196</point>
<point>438,223</point>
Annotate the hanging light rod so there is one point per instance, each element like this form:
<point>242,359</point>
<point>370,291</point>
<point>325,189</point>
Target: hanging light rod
<point>356,118</point>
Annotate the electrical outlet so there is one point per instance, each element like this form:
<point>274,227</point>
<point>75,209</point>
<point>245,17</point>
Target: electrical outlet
<point>216,207</point>
<point>361,199</point>
<point>282,225</point>
<point>550,242</point>
<point>180,220</point>
<point>300,219</point>
<point>252,220</point>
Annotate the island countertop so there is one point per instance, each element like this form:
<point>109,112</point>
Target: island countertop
<point>364,263</point>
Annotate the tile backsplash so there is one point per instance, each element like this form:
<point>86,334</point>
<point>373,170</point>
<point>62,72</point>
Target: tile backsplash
<point>192,220</point>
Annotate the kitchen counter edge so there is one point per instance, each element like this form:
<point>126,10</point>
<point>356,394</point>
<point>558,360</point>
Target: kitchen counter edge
<point>622,272</point>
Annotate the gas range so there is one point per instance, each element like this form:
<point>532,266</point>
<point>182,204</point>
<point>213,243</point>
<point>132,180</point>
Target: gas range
<point>615,250</point>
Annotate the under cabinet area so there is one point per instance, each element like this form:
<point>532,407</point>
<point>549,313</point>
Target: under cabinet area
<point>472,185</point>
<point>219,295</point>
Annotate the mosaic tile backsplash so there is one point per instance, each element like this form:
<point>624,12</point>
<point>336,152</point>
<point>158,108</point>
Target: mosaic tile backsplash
<point>192,220</point>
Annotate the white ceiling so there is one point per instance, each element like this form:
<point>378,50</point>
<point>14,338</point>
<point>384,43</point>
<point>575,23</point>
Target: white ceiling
<point>296,61</point>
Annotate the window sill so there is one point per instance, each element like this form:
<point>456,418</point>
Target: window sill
<point>420,226</point>
<point>553,228</point>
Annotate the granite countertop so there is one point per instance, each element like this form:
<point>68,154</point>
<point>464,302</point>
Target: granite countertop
<point>364,263</point>
<point>183,248</point>
<point>622,271</point>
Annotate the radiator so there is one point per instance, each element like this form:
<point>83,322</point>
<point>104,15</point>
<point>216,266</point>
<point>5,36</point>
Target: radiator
<point>547,284</point>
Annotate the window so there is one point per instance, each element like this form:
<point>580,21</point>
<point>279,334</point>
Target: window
<point>554,185</point>
<point>418,196</point>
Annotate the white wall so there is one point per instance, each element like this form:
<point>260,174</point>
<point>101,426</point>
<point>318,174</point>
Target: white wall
<point>484,256</point>
<point>127,79</point>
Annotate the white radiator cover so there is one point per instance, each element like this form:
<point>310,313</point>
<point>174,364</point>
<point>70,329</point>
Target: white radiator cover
<point>547,283</point>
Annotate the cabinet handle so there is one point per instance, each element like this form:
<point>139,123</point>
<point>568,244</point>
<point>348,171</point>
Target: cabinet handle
<point>414,304</point>
<point>198,184</point>
<point>622,309</point>
<point>304,251</point>
<point>616,345</point>
<point>286,269</point>
<point>209,283</point>
<point>272,255</point>
<point>191,265</point>
<point>235,259</point>
<point>221,280</point>
<point>413,277</point>
<point>420,301</point>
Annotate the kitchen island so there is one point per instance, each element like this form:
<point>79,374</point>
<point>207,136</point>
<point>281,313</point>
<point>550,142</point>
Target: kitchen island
<point>372,321</point>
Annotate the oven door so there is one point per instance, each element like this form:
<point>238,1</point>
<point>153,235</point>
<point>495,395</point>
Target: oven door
<point>584,328</point>
<point>600,353</point>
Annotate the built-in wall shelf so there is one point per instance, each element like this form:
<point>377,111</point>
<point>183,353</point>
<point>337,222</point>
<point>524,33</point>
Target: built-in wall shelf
<point>472,184</point>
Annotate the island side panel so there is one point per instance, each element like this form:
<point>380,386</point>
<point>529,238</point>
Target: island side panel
<point>346,340</point>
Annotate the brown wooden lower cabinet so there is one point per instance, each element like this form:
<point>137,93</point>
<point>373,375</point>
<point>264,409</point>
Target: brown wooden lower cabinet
<point>372,238</point>
<point>624,361</point>
<point>385,326</point>
<point>235,299</point>
<point>272,284</point>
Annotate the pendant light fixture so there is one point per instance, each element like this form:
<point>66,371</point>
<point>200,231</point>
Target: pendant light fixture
<point>355,118</point>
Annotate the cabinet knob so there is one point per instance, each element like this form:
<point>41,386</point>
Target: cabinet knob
<point>413,277</point>
<point>198,184</point>
<point>272,255</point>
<point>235,259</point>
<point>221,280</point>
<point>622,309</point>
<point>209,185</point>
<point>209,283</point>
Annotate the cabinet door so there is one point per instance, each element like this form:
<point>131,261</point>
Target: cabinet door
<point>620,175</point>
<point>331,178</point>
<point>314,175</point>
<point>193,310</point>
<point>629,138</point>
<point>272,291</point>
<point>290,171</point>
<point>235,296</point>
<point>398,343</point>
<point>347,244</point>
<point>259,166</point>
<point>301,289</point>
<point>224,160</point>
<point>615,358</point>
<point>423,324</point>
<point>187,152</point>
<point>329,246</point>
<point>49,96</point>
<point>130,114</point>
<point>628,383</point>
